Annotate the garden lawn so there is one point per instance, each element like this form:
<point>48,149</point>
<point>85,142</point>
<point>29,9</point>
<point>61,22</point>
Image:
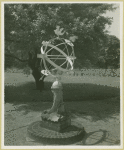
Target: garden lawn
<point>93,102</point>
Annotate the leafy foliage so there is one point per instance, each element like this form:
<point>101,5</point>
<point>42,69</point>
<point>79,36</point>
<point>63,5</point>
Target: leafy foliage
<point>27,25</point>
<point>110,53</point>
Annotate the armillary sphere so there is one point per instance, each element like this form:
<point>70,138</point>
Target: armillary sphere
<point>57,53</point>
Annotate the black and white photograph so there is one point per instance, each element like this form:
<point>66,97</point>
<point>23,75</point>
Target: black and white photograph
<point>62,75</point>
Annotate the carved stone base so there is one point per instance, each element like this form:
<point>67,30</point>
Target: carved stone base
<point>56,126</point>
<point>55,121</point>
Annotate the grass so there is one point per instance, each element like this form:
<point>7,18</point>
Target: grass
<point>71,92</point>
<point>82,98</point>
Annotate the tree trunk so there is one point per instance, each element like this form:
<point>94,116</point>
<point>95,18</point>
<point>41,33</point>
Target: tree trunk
<point>34,64</point>
<point>39,79</point>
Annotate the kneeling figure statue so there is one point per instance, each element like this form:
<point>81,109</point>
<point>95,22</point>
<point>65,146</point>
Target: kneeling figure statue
<point>56,118</point>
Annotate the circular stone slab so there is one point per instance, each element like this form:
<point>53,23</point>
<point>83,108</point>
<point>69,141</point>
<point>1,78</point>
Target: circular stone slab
<point>70,135</point>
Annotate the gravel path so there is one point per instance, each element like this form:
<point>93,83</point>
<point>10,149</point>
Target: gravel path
<point>101,128</point>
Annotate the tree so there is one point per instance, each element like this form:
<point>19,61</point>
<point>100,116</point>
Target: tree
<point>27,25</point>
<point>113,52</point>
<point>109,55</point>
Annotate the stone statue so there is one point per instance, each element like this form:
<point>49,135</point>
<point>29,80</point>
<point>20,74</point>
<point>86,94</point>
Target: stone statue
<point>58,109</point>
<point>58,104</point>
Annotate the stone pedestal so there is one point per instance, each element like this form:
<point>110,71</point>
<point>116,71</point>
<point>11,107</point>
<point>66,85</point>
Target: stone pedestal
<point>56,118</point>
<point>56,122</point>
<point>55,125</point>
<point>58,104</point>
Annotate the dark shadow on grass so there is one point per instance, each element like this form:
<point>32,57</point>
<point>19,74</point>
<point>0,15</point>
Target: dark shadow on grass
<point>71,92</point>
<point>26,92</point>
<point>88,91</point>
<point>83,100</point>
<point>97,138</point>
<point>94,138</point>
